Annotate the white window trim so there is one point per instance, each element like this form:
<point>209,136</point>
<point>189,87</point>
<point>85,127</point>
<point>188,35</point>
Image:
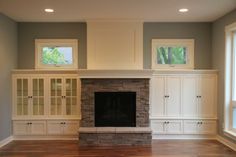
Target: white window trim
<point>189,43</point>
<point>229,104</point>
<point>39,43</point>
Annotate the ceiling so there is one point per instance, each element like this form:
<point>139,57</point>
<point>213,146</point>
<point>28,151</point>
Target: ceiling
<point>145,10</point>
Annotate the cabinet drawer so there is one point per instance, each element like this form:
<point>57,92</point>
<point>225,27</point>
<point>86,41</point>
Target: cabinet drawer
<point>167,126</point>
<point>62,127</point>
<point>29,127</point>
<point>199,126</point>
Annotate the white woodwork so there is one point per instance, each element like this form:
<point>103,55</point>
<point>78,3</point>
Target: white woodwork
<point>114,45</point>
<point>199,127</point>
<point>158,126</point>
<point>189,96</point>
<point>173,90</point>
<point>29,127</point>
<point>61,127</point>
<point>157,98</point>
<point>166,126</point>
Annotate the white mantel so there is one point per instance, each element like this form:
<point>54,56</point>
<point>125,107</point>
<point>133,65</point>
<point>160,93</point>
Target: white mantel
<point>115,73</point>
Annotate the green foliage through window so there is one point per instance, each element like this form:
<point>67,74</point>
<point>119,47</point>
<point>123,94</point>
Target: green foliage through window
<point>57,55</point>
<point>171,55</point>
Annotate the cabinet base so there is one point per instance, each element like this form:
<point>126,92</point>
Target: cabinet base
<point>181,136</point>
<point>69,137</point>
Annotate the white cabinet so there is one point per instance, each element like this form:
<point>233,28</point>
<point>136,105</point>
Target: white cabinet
<point>59,127</point>
<point>199,96</point>
<point>63,98</point>
<point>167,126</point>
<point>28,96</point>
<point>165,99</point>
<point>29,127</point>
<point>199,127</point>
<point>42,100</point>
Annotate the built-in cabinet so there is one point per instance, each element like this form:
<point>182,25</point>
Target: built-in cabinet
<point>183,103</point>
<point>45,104</point>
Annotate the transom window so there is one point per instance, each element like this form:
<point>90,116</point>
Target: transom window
<point>56,53</point>
<point>172,53</point>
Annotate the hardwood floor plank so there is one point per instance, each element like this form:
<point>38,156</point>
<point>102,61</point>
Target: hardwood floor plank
<point>159,148</point>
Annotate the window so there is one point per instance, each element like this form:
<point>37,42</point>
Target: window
<point>230,81</point>
<point>56,53</point>
<point>172,53</point>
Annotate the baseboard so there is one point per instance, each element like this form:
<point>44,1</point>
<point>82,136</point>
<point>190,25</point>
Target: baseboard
<point>226,142</point>
<point>183,137</point>
<point>45,138</point>
<point>6,141</point>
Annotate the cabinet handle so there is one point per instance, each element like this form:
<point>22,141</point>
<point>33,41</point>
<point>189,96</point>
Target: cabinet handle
<point>61,123</point>
<point>200,96</point>
<point>168,122</point>
<point>64,122</point>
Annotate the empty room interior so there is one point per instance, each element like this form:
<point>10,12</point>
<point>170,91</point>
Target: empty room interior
<point>118,78</point>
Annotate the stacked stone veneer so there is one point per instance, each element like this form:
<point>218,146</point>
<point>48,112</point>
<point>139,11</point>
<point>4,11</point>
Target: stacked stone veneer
<point>90,86</point>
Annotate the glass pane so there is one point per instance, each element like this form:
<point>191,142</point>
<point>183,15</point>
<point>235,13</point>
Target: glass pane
<point>59,106</point>
<point>41,87</point>
<point>41,106</point>
<point>59,87</point>
<point>35,106</point>
<point>53,87</point>
<point>57,55</point>
<point>74,106</point>
<point>234,118</point>
<point>25,87</point>
<point>53,106</point>
<point>171,55</point>
<point>19,106</point>
<point>35,87</point>
<point>19,87</point>
<point>25,106</point>
<point>74,87</point>
<point>68,106</point>
<point>68,87</point>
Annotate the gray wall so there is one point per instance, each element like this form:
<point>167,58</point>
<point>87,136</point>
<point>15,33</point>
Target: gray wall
<point>8,61</point>
<point>201,32</point>
<point>28,32</point>
<point>218,58</point>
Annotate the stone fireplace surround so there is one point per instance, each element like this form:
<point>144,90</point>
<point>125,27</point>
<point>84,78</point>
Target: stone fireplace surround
<point>106,82</point>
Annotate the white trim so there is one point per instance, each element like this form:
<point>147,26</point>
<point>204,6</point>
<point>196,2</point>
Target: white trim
<point>39,43</point>
<point>188,43</point>
<point>6,141</point>
<point>183,137</point>
<point>46,137</point>
<point>226,142</point>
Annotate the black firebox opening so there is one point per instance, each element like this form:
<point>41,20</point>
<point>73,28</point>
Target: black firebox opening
<point>115,109</point>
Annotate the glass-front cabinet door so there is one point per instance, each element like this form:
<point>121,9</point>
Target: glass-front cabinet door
<point>56,96</point>
<point>22,96</point>
<point>38,96</point>
<point>71,96</point>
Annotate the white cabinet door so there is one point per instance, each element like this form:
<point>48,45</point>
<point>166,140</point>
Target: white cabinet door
<point>189,96</point>
<point>38,127</point>
<point>55,127</point>
<point>157,98</point>
<point>173,91</point>
<point>190,127</point>
<point>199,127</point>
<point>207,127</point>
<point>71,128</point>
<point>158,126</point>
<point>21,128</point>
<point>174,127</point>
<point>207,93</point>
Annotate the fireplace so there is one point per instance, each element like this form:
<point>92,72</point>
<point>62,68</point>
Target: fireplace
<point>115,109</point>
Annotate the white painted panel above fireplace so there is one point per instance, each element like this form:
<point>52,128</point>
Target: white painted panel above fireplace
<point>114,45</point>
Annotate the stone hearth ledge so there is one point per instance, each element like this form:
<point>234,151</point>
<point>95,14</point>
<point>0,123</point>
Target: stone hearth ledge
<point>115,130</point>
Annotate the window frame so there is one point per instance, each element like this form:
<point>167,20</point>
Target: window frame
<point>230,71</point>
<point>188,43</point>
<point>40,43</point>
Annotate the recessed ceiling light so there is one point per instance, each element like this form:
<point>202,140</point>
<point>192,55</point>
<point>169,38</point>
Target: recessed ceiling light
<point>48,10</point>
<point>183,10</point>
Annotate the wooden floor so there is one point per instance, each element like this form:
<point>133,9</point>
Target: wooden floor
<point>159,148</point>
